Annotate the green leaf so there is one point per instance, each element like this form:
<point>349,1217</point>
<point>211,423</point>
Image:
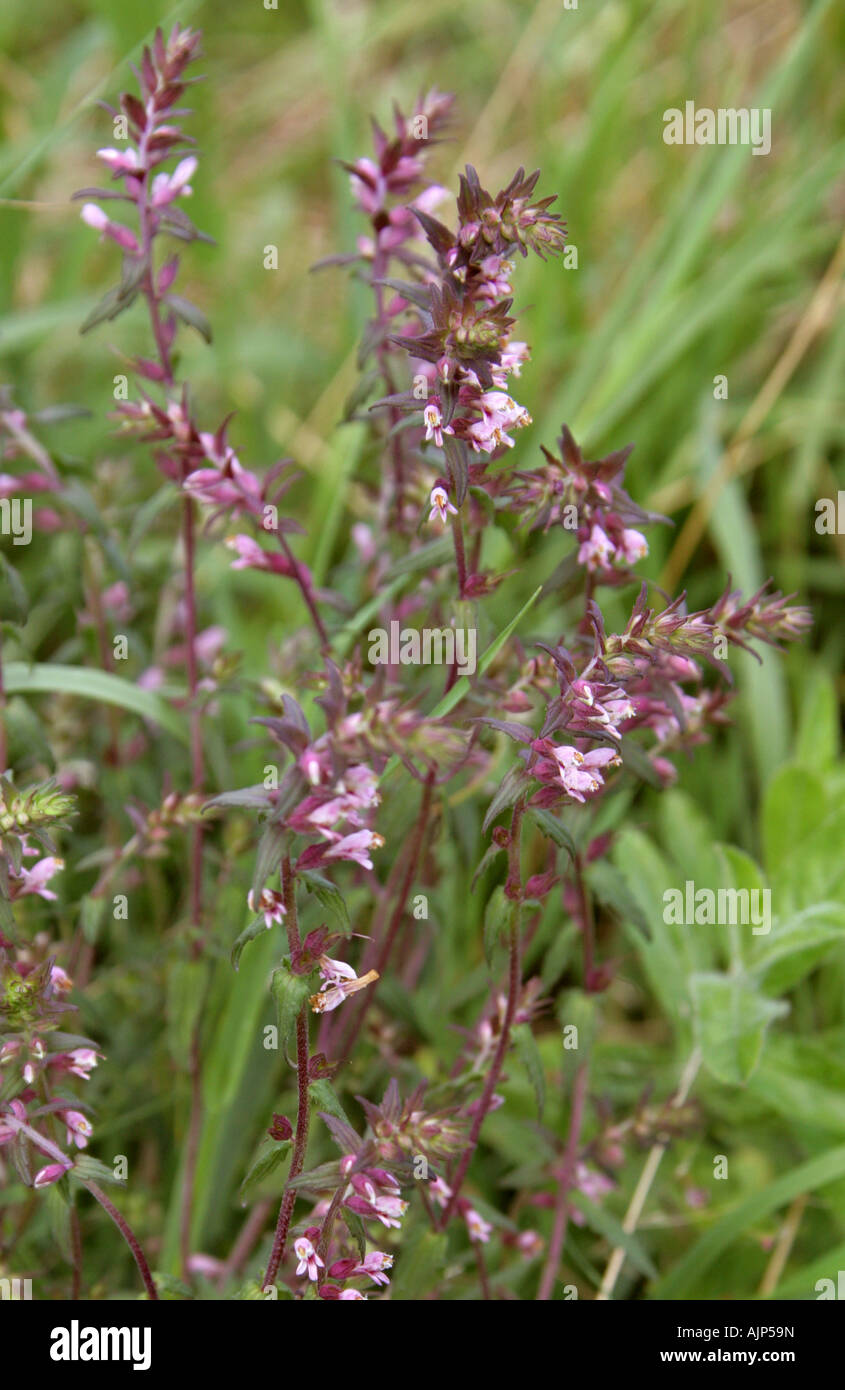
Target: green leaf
<point>509,790</point>
<point>806,1178</point>
<point>323,1097</point>
<point>249,933</point>
<point>271,848</point>
<point>271,1154</point>
<point>817,741</point>
<point>101,686</point>
<point>329,896</point>
<point>731,1019</point>
<point>609,887</point>
<point>794,806</point>
<point>289,992</point>
<point>553,830</point>
<point>529,1054</point>
<point>190,314</point>
<point>795,947</point>
<point>89,1169</point>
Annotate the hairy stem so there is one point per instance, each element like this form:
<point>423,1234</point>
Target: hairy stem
<point>128,1235</point>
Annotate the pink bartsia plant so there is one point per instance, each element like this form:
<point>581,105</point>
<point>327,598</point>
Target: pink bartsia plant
<point>44,1124</point>
<point>586,711</point>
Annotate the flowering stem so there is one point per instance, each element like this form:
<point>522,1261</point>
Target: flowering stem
<point>460,557</point>
<point>307,595</point>
<point>128,1235</point>
<point>514,982</point>
<point>567,1173</point>
<point>277,1254</point>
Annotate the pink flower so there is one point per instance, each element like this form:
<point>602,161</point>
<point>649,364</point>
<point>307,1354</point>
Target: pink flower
<point>308,1258</point>
<point>356,847</point>
<point>373,1266</point>
<point>440,505</point>
<point>579,772</point>
<point>60,980</point>
<point>334,972</point>
<point>598,551</point>
<point>79,1130</point>
<point>96,218</point>
<point>8,1131</point>
<point>433,421</point>
<point>634,546</point>
<point>83,1061</point>
<point>529,1243</point>
<point>270,903</point>
<point>388,1207</point>
<point>332,998</point>
<point>166,187</point>
<point>35,880</point>
<point>479,1229</point>
<point>119,161</point>
<point>440,1191</point>
<point>51,1173</point>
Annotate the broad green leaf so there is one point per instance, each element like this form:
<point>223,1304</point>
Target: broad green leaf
<point>289,992</point>
<point>731,1019</point>
<point>100,686</point>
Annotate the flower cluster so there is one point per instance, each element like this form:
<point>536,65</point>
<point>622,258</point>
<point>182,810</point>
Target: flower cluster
<point>39,1119</point>
<point>467,336</point>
